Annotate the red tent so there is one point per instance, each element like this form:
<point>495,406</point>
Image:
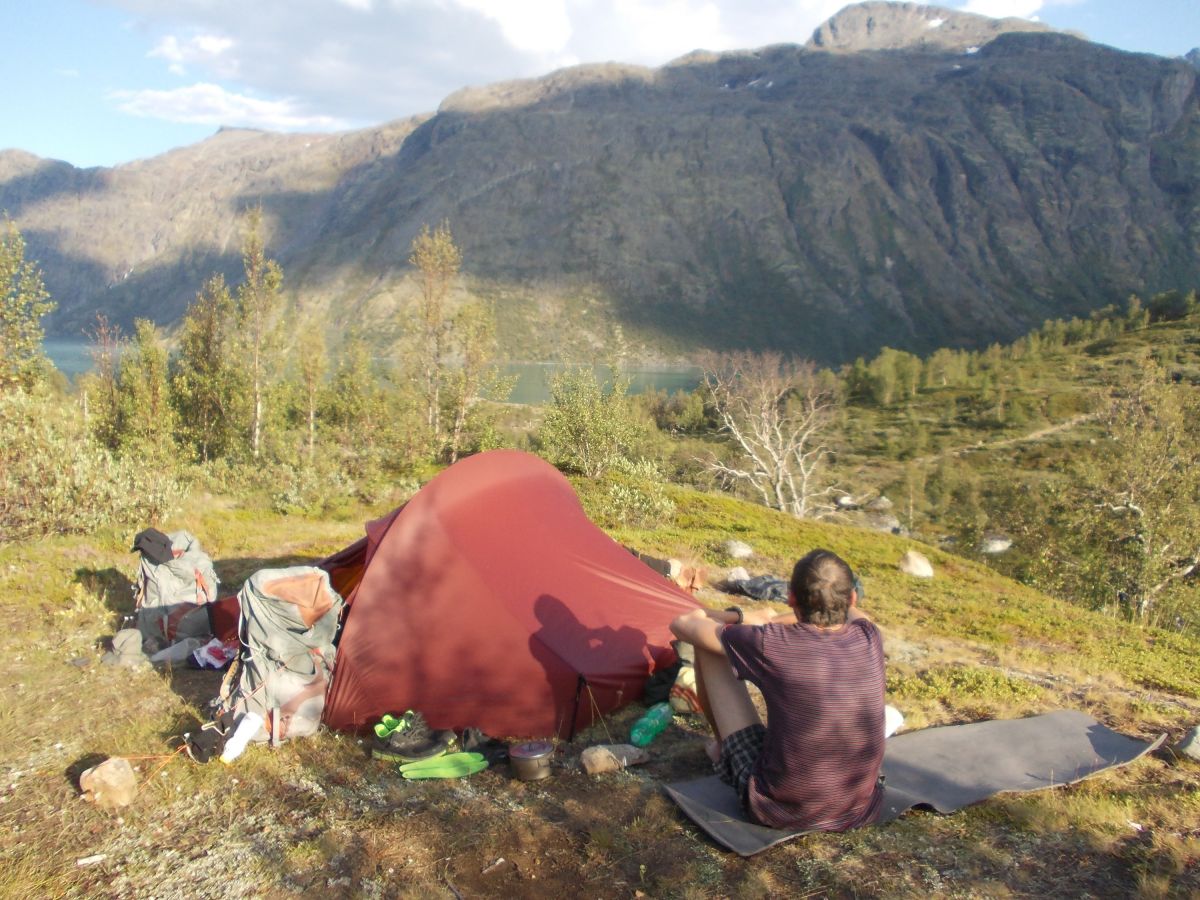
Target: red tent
<point>490,600</point>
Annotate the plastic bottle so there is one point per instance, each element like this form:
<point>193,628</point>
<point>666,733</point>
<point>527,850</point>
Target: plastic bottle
<point>246,729</point>
<point>652,724</point>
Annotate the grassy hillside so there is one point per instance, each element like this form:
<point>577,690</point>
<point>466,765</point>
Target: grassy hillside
<point>317,818</point>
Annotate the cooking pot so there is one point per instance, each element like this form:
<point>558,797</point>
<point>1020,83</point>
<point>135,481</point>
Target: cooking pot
<point>531,761</point>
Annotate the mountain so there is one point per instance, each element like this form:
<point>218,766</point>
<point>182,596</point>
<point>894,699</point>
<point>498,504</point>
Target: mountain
<point>912,177</point>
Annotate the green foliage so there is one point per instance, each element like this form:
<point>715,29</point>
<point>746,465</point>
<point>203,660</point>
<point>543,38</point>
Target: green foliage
<point>437,260</point>
<point>635,495</point>
<point>208,387</point>
<point>589,426</point>
<point>1123,533</point>
<point>23,302</point>
<point>956,684</point>
<point>54,477</point>
<point>146,422</point>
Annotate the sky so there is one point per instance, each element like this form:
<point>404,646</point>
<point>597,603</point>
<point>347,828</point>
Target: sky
<point>102,82</point>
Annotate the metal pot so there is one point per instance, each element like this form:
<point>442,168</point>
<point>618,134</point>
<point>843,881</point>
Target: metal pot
<point>531,761</point>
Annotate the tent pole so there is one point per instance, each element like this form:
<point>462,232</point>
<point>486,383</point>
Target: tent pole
<point>579,686</point>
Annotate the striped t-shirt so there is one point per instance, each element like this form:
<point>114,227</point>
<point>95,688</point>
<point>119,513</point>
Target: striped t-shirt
<point>819,767</point>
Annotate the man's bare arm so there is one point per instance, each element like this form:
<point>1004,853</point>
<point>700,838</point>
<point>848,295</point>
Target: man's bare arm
<point>702,628</point>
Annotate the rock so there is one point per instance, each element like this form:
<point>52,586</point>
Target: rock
<point>737,574</point>
<point>845,501</point>
<point>127,650</point>
<point>611,758</point>
<point>994,543</point>
<point>127,641</point>
<point>884,522</point>
<point>110,785</point>
<point>738,549</point>
<point>1190,745</point>
<point>915,564</point>
<point>898,26</point>
<point>879,504</point>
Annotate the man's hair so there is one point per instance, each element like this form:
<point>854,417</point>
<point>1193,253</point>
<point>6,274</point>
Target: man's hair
<point>822,584</point>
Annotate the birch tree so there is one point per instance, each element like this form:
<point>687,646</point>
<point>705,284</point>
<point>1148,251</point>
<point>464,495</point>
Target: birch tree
<point>23,302</point>
<point>437,260</point>
<point>258,299</point>
<point>777,413</point>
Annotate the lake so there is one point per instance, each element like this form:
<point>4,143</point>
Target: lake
<point>72,357</point>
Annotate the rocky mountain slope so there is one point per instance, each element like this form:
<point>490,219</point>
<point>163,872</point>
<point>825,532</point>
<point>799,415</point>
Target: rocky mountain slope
<point>912,177</point>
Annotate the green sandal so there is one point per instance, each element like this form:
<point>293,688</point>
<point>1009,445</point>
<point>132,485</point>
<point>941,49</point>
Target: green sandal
<point>452,765</point>
<point>389,724</point>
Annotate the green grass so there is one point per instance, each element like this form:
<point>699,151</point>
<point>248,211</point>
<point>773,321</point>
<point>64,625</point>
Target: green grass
<point>316,817</point>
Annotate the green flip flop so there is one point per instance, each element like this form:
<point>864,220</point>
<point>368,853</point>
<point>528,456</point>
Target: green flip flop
<point>389,724</point>
<point>451,765</point>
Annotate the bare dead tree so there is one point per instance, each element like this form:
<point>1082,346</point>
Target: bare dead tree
<point>778,412</point>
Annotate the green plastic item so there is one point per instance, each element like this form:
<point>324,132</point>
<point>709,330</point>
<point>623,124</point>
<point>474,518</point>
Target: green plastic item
<point>390,724</point>
<point>451,765</point>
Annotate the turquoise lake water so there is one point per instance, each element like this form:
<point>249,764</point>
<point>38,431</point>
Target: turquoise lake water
<point>72,358</point>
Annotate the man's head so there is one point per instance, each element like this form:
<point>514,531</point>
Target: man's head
<point>822,585</point>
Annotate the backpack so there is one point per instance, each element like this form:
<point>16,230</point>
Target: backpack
<point>171,597</point>
<point>287,624</point>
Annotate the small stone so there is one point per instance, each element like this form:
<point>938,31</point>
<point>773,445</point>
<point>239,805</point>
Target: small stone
<point>738,549</point>
<point>1190,745</point>
<point>994,543</point>
<point>127,641</point>
<point>880,504</point>
<point>110,785</point>
<point>915,564</point>
<point>737,574</point>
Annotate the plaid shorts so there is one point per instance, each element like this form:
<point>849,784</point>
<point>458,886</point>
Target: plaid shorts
<point>739,753</point>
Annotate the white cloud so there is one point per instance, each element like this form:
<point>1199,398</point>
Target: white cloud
<point>210,104</point>
<point>209,51</point>
<point>533,26</point>
<point>368,61</point>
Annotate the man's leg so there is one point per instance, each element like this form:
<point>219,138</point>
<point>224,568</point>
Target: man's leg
<point>725,698</point>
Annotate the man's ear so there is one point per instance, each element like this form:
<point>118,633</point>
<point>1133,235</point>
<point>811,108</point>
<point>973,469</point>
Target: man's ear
<point>791,598</point>
<point>853,599</point>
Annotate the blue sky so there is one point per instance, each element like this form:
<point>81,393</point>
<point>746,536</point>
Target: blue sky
<point>101,82</point>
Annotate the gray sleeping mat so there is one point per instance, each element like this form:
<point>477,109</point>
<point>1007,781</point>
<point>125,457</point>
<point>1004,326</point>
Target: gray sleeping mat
<point>944,769</point>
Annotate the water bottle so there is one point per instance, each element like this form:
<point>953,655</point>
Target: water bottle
<point>652,724</point>
<point>247,728</point>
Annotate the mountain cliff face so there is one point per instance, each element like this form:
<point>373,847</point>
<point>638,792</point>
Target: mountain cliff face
<point>876,187</point>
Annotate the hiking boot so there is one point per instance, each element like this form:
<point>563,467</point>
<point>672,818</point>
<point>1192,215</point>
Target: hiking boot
<point>414,750</point>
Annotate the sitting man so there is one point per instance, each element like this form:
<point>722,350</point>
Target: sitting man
<point>820,669</point>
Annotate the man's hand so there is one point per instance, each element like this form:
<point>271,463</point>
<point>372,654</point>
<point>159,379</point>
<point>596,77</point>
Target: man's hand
<point>768,616</point>
<point>701,628</point>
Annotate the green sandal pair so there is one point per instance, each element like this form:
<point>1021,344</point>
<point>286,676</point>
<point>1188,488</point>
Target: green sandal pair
<point>389,724</point>
<point>449,765</point>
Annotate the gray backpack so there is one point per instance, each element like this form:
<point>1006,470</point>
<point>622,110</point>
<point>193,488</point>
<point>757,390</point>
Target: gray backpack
<point>171,596</point>
<point>287,624</point>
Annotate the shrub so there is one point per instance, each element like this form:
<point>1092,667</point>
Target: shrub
<point>54,478</point>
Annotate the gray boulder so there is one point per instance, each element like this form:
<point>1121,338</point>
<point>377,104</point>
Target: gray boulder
<point>1190,745</point>
<point>738,549</point>
<point>993,544</point>
<point>916,564</point>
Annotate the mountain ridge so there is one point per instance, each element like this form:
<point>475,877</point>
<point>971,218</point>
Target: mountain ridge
<point>818,201</point>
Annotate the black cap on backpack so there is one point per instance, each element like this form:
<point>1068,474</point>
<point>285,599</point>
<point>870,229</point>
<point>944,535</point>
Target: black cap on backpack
<point>154,546</point>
